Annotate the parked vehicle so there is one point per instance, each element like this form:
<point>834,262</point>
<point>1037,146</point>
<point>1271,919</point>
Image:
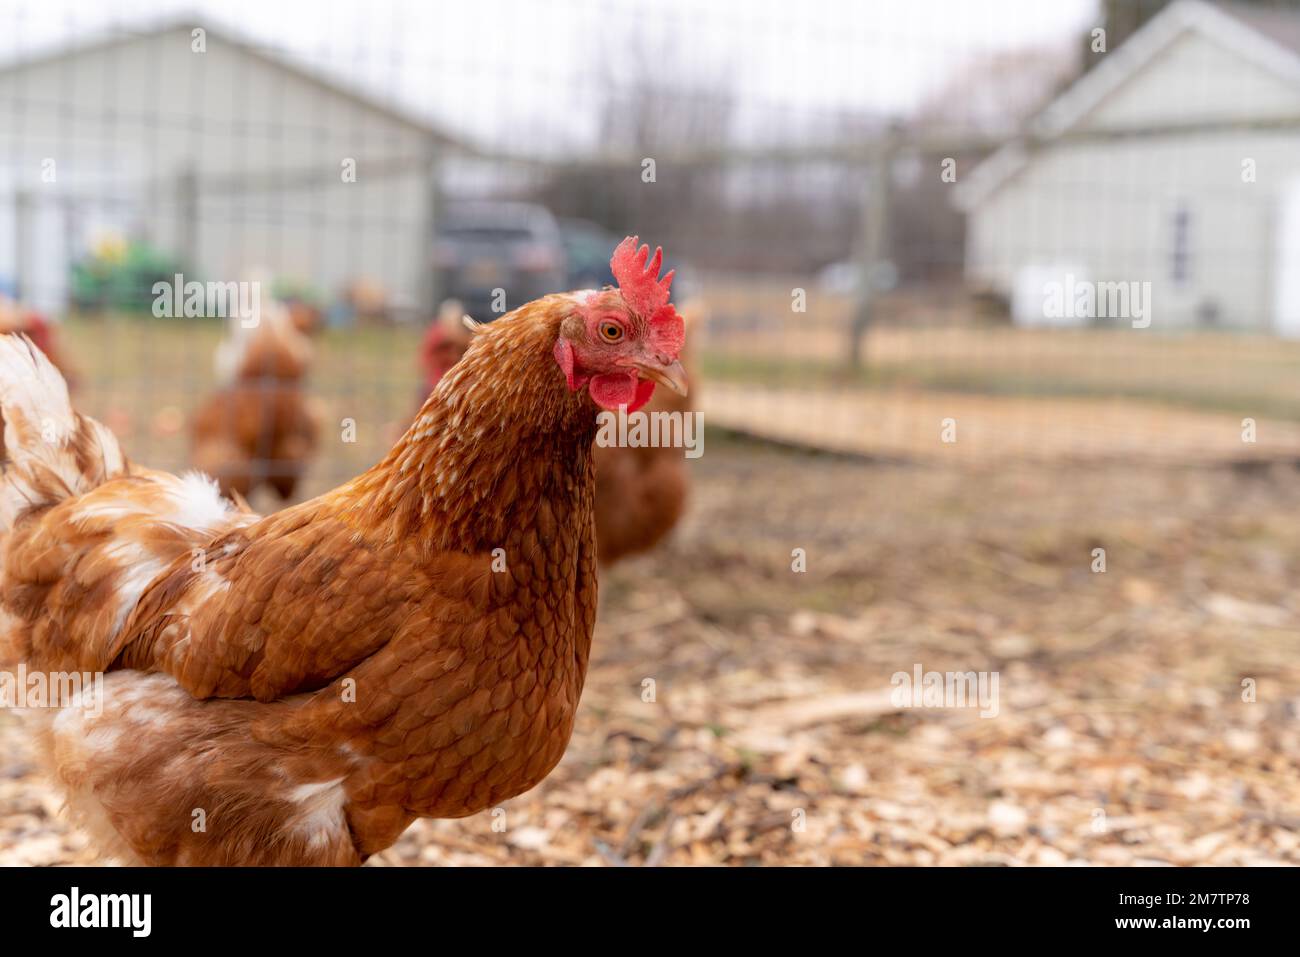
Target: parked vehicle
<point>495,256</point>
<point>587,246</point>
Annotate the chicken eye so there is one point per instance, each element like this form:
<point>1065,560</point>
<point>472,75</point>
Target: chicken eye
<point>611,331</point>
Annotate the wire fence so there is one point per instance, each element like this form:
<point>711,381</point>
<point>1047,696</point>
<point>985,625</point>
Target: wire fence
<point>1081,252</point>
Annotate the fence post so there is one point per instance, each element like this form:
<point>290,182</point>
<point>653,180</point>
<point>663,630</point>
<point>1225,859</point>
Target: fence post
<point>22,243</point>
<point>187,218</point>
<point>433,200</point>
<point>873,242</point>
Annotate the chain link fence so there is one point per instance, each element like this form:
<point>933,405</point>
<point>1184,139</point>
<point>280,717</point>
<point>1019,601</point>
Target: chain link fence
<point>1058,245</point>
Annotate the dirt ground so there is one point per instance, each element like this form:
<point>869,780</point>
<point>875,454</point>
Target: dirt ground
<point>739,711</point>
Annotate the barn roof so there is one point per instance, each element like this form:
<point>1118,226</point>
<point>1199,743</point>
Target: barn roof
<point>1269,37</point>
<point>1280,25</point>
<point>269,54</point>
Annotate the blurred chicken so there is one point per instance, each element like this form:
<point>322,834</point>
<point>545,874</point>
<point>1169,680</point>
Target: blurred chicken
<point>15,317</point>
<point>413,643</point>
<point>444,343</point>
<point>307,317</point>
<point>641,492</point>
<point>259,427</point>
<point>368,301</point>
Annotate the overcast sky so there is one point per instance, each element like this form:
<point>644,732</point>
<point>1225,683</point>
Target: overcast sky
<point>522,71</point>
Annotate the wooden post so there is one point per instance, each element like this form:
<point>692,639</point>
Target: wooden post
<point>873,244</point>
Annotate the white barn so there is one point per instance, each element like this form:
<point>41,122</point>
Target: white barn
<point>215,150</point>
<point>1203,202</point>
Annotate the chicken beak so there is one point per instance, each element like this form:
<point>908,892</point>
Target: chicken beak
<point>671,374</point>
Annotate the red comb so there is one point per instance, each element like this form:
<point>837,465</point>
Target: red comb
<point>640,285</point>
<point>667,331</point>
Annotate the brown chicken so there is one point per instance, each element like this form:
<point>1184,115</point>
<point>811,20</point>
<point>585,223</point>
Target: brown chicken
<point>258,428</point>
<point>297,689</point>
<point>641,492</point>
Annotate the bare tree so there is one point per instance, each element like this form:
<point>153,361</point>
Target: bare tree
<point>657,103</point>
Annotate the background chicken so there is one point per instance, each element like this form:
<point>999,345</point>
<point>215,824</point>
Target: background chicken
<point>444,343</point>
<point>641,492</point>
<point>413,643</point>
<point>306,316</point>
<point>259,427</point>
<point>16,317</point>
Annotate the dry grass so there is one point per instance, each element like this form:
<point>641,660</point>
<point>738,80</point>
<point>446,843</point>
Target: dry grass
<point>932,343</point>
<point>1014,393</point>
<point>947,427</point>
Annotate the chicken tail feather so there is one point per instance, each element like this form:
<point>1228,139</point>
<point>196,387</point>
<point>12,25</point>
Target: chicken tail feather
<point>49,451</point>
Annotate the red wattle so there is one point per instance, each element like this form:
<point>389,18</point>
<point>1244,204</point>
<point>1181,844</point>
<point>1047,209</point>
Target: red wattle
<point>610,390</point>
<point>645,388</point>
